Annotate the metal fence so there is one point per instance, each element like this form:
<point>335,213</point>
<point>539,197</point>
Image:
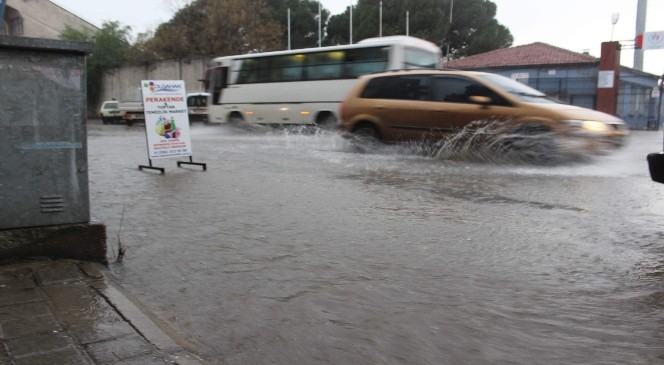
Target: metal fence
<point>636,104</point>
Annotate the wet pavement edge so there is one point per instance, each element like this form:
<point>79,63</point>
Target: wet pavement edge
<point>69,312</point>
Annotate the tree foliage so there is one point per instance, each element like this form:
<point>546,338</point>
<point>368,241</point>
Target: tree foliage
<point>211,28</point>
<point>303,21</point>
<point>112,47</point>
<point>473,29</point>
<point>216,27</point>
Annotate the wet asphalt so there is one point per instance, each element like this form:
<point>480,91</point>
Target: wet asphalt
<point>298,247</point>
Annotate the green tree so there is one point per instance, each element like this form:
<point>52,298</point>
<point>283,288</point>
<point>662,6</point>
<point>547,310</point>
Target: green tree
<point>215,28</point>
<point>477,30</point>
<point>303,21</point>
<point>473,30</point>
<point>73,34</point>
<point>111,49</point>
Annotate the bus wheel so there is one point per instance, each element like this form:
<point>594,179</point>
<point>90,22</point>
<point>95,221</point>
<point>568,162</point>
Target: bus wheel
<point>326,121</point>
<point>235,119</point>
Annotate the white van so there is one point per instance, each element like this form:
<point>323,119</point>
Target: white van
<point>197,107</point>
<point>109,112</point>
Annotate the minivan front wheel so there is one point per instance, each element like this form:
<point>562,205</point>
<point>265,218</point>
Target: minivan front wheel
<point>534,144</point>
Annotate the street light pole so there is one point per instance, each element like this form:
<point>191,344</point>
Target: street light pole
<point>449,36</point>
<point>289,44</point>
<point>380,20</point>
<point>351,22</point>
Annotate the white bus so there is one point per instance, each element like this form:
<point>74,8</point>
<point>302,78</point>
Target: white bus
<point>304,86</point>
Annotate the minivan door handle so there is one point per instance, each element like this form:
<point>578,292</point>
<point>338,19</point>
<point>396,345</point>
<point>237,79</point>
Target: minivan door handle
<point>379,107</point>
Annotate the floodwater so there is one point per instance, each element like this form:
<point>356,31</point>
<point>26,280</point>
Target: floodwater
<point>300,248</point>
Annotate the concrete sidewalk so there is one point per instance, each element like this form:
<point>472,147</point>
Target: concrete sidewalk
<point>67,312</point>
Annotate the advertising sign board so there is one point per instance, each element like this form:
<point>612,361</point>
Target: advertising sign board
<point>653,40</point>
<point>166,119</point>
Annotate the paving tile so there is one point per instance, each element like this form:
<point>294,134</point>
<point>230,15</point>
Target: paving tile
<point>14,278</point>
<point>28,295</point>
<point>119,349</point>
<point>92,270</point>
<point>11,273</point>
<point>29,326</point>
<point>27,310</point>
<point>69,356</point>
<point>77,304</point>
<point>144,360</point>
<point>101,331</point>
<point>38,344</point>
<point>57,274</point>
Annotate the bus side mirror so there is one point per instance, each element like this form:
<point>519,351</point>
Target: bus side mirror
<point>656,165</point>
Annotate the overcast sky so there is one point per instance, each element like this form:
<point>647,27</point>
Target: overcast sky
<point>576,25</point>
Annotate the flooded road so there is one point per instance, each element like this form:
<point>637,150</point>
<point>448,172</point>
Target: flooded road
<point>298,249</point>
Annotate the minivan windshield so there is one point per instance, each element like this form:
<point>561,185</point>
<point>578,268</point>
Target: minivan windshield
<point>519,90</point>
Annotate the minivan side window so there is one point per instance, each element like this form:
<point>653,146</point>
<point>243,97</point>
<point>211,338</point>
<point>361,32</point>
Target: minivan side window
<point>459,90</point>
<point>404,87</point>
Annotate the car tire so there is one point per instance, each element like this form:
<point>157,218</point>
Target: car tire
<point>366,134</point>
<point>105,120</point>
<point>533,143</point>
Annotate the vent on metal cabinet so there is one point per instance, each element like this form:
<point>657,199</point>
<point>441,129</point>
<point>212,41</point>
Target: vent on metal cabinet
<point>52,204</point>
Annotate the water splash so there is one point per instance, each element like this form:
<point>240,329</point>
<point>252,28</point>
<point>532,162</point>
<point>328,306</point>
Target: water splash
<point>487,142</point>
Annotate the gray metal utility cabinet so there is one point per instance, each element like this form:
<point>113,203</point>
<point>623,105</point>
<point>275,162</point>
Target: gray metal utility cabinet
<point>43,144</point>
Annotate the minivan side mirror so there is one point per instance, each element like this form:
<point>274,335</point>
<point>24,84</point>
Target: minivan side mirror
<point>656,166</point>
<point>482,100</point>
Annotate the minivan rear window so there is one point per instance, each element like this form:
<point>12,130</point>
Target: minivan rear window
<point>407,87</point>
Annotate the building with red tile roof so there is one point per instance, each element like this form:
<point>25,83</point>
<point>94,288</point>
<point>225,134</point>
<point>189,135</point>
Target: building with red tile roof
<point>534,54</point>
<point>571,77</point>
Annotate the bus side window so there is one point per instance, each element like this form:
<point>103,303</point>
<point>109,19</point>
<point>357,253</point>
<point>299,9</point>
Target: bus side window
<point>325,65</point>
<point>365,60</point>
<point>287,68</point>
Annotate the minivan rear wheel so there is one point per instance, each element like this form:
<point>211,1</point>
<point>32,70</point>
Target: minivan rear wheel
<point>366,134</point>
